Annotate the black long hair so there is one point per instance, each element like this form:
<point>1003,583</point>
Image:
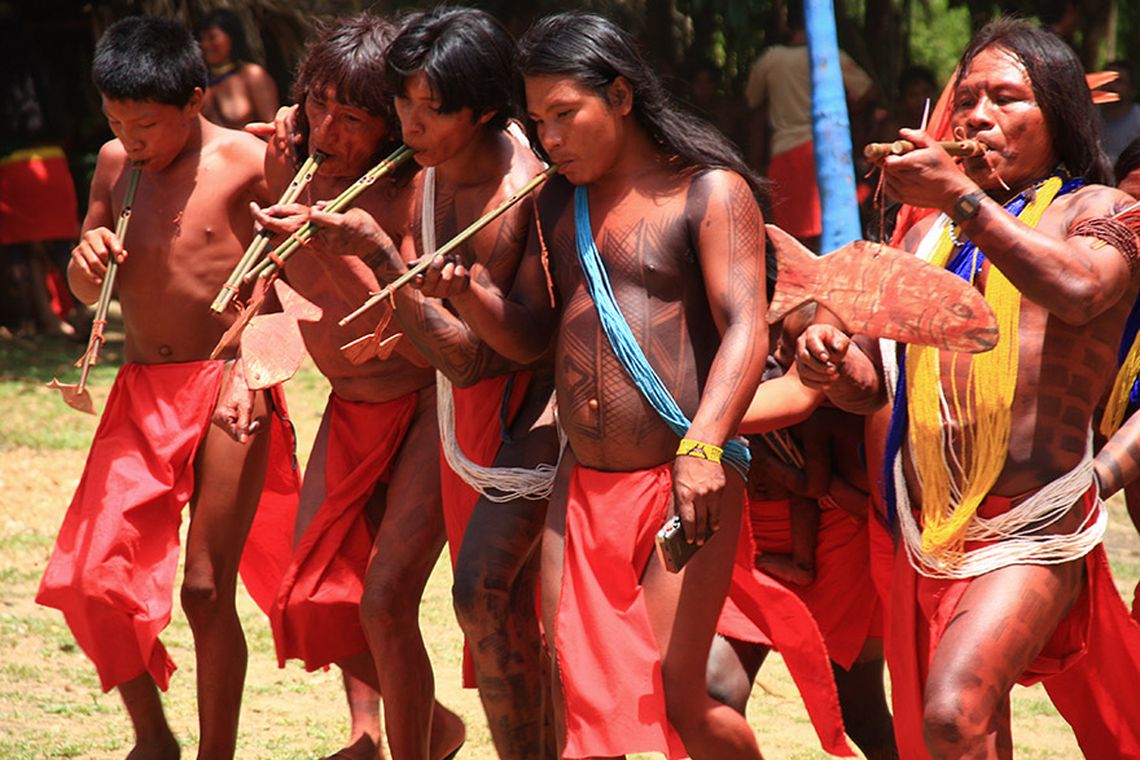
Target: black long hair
<point>468,57</point>
<point>349,55</point>
<point>228,22</point>
<point>1059,86</point>
<point>594,51</point>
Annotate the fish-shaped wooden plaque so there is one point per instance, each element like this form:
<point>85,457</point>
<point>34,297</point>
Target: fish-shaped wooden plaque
<point>883,292</point>
<point>272,348</point>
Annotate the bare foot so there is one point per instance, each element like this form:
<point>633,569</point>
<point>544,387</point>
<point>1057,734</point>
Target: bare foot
<point>447,733</point>
<point>160,748</point>
<point>364,747</point>
<point>783,567</point>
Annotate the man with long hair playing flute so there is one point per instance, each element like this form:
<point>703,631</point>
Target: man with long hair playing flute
<point>653,377</point>
<point>371,488</point>
<point>113,566</point>
<point>1001,576</point>
<point>455,84</point>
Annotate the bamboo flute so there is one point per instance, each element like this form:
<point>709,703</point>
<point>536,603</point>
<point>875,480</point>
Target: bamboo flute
<point>959,148</point>
<point>101,306</point>
<point>451,245</point>
<point>286,249</point>
<point>261,239</point>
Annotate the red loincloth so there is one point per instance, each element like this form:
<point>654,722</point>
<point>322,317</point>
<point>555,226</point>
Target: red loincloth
<point>1090,666</point>
<point>112,570</point>
<point>842,599</point>
<point>607,653</point>
<point>761,610</point>
<point>881,556</point>
<point>797,211</point>
<point>316,615</point>
<point>37,197</point>
<point>479,434</point>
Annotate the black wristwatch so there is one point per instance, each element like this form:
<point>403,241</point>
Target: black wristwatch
<point>967,206</point>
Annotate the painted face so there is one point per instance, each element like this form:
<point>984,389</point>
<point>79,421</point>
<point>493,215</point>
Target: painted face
<point>436,137</point>
<point>350,137</point>
<point>216,45</point>
<point>153,134</point>
<point>994,104</point>
<point>578,128</point>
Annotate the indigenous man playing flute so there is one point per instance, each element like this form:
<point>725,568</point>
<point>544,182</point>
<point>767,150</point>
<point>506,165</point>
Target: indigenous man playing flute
<point>677,226</point>
<point>453,74</point>
<point>1002,577</point>
<point>112,570</point>
<point>371,488</point>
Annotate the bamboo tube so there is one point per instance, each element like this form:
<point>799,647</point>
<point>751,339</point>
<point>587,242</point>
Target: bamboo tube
<point>959,148</point>
<point>300,237</point>
<point>97,337</point>
<point>261,239</point>
<point>451,245</point>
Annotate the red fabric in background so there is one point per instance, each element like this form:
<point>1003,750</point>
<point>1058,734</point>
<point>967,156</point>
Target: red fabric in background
<point>761,610</point>
<point>842,599</point>
<point>1090,667</point>
<point>316,613</point>
<point>112,570</point>
<point>478,432</point>
<point>796,208</point>
<point>37,197</point>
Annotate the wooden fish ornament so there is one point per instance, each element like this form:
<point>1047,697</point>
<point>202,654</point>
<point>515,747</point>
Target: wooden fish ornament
<point>375,345</point>
<point>272,348</point>
<point>883,292</point>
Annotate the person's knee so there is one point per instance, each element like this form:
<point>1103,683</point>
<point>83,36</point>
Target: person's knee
<point>950,723</point>
<point>200,597</point>
<point>387,607</point>
<point>480,600</point>
<point>728,682</point>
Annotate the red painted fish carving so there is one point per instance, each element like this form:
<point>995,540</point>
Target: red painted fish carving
<point>272,348</point>
<point>883,292</point>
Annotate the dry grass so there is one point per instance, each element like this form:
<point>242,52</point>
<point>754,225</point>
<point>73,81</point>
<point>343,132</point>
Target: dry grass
<point>50,703</point>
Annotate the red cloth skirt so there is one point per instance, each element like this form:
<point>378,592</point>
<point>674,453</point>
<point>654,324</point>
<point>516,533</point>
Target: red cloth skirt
<point>316,615</point>
<point>37,197</point>
<point>761,610</point>
<point>1090,667</point>
<point>479,434</point>
<point>607,652</point>
<point>112,570</point>
<point>796,207</point>
<point>842,599</point>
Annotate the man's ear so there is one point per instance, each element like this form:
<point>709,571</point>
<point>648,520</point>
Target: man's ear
<point>485,117</point>
<point>194,105</point>
<point>619,95</point>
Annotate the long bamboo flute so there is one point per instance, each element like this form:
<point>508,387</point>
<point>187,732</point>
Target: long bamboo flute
<point>101,306</point>
<point>261,239</point>
<point>451,245</point>
<point>959,148</point>
<point>302,236</point>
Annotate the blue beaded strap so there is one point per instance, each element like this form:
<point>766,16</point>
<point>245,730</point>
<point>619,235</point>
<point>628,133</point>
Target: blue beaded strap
<point>625,345</point>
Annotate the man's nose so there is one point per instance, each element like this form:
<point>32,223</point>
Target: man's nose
<point>981,115</point>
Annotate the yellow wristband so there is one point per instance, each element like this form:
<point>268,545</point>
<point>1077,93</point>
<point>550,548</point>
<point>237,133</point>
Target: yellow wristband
<point>698,450</point>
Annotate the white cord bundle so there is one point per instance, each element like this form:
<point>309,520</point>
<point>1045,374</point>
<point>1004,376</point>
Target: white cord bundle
<point>1014,537</point>
<point>497,484</point>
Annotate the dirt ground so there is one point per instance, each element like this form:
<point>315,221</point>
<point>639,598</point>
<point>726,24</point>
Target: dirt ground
<point>50,702</point>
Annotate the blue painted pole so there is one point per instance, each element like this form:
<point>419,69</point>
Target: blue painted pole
<point>831,129</point>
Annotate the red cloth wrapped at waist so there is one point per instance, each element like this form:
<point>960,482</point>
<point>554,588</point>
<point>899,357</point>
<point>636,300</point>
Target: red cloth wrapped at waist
<point>316,615</point>
<point>842,598</point>
<point>1090,666</point>
<point>796,209</point>
<point>112,570</point>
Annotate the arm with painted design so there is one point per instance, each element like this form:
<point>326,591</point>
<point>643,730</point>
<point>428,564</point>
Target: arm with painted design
<point>1068,275</point>
<point>730,247</point>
